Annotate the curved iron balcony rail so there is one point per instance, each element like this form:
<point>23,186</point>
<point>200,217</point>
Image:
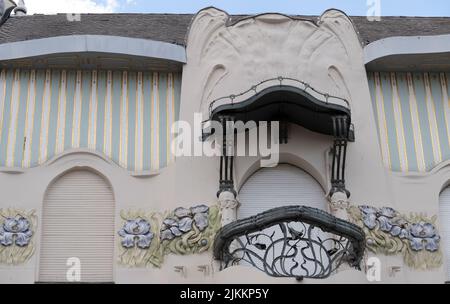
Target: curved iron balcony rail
<point>292,241</point>
<point>286,81</point>
<point>284,99</point>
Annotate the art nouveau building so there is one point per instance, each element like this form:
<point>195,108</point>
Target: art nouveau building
<point>88,176</point>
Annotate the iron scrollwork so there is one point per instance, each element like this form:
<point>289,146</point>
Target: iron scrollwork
<point>293,241</point>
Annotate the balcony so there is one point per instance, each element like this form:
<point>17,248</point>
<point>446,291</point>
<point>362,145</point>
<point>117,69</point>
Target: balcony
<point>292,242</point>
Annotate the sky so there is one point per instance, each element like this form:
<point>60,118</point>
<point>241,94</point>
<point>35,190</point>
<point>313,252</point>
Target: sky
<point>297,7</point>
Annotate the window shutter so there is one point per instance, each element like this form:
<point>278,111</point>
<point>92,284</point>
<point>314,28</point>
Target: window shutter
<point>78,221</point>
<point>283,185</point>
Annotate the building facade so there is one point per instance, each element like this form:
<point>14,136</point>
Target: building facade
<point>94,187</point>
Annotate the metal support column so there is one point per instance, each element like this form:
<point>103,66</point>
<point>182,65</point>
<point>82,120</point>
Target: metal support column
<point>339,152</point>
<point>226,182</point>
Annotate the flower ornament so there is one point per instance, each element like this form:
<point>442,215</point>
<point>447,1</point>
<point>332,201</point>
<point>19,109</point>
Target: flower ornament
<point>15,230</point>
<point>136,232</point>
<point>420,235</point>
<point>200,216</point>
<point>400,228</point>
<point>183,220</point>
<point>369,216</point>
<point>388,212</point>
<point>172,227</point>
<point>424,235</point>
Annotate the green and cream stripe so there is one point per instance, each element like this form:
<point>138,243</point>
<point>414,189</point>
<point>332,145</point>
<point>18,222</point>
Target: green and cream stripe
<point>412,112</point>
<point>62,100</point>
<point>15,97</point>
<point>93,107</point>
<point>29,120</point>
<point>125,115</point>
<point>139,133</point>
<point>107,146</point>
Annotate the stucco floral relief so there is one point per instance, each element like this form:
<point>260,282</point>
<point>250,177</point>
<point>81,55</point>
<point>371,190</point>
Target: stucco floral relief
<point>390,232</point>
<point>145,238</point>
<point>139,245</point>
<point>17,229</point>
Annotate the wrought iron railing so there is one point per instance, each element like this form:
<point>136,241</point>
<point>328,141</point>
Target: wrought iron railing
<point>293,241</point>
<point>305,87</point>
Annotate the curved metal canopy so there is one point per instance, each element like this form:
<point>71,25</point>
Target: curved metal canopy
<point>288,100</point>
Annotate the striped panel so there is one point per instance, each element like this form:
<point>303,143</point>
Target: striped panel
<point>20,127</point>
<point>93,108</point>
<point>379,106</point>
<point>45,117</point>
<point>76,119</point>
<point>123,121</point>
<point>131,120</point>
<point>139,127</point>
<point>53,117</point>
<point>13,120</point>
<point>412,111</point>
<point>61,123</point>
<point>2,97</point>
<point>107,131</point>
<point>155,117</point>
<point>29,120</point>
<point>126,116</point>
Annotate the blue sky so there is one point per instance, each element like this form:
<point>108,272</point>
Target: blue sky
<point>301,7</point>
<point>296,7</point>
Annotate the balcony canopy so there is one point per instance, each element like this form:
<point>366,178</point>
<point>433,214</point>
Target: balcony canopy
<point>288,100</point>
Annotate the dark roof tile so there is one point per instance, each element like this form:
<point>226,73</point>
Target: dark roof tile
<point>172,28</point>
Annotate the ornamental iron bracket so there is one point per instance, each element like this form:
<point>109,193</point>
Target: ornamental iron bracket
<point>226,182</point>
<point>292,241</point>
<point>341,129</point>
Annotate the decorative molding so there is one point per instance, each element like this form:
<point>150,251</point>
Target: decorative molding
<point>228,205</point>
<point>402,45</point>
<point>197,228</point>
<point>338,204</point>
<point>147,237</point>
<point>17,228</point>
<point>389,232</point>
<point>136,232</point>
<point>82,154</point>
<point>139,242</point>
<point>220,51</point>
<point>93,43</point>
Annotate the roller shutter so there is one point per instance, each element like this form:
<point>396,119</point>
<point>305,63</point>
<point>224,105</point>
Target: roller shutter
<point>78,221</point>
<point>279,186</point>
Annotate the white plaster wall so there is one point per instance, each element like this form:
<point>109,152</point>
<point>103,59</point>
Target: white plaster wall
<point>224,59</point>
<point>27,190</point>
<point>305,149</point>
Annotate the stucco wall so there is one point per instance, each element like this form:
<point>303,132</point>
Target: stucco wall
<point>224,59</point>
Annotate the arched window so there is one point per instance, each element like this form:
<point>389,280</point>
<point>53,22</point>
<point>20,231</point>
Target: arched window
<point>283,185</point>
<point>444,218</point>
<point>78,222</point>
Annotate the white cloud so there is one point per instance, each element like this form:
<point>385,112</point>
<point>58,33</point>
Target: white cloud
<point>70,6</point>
